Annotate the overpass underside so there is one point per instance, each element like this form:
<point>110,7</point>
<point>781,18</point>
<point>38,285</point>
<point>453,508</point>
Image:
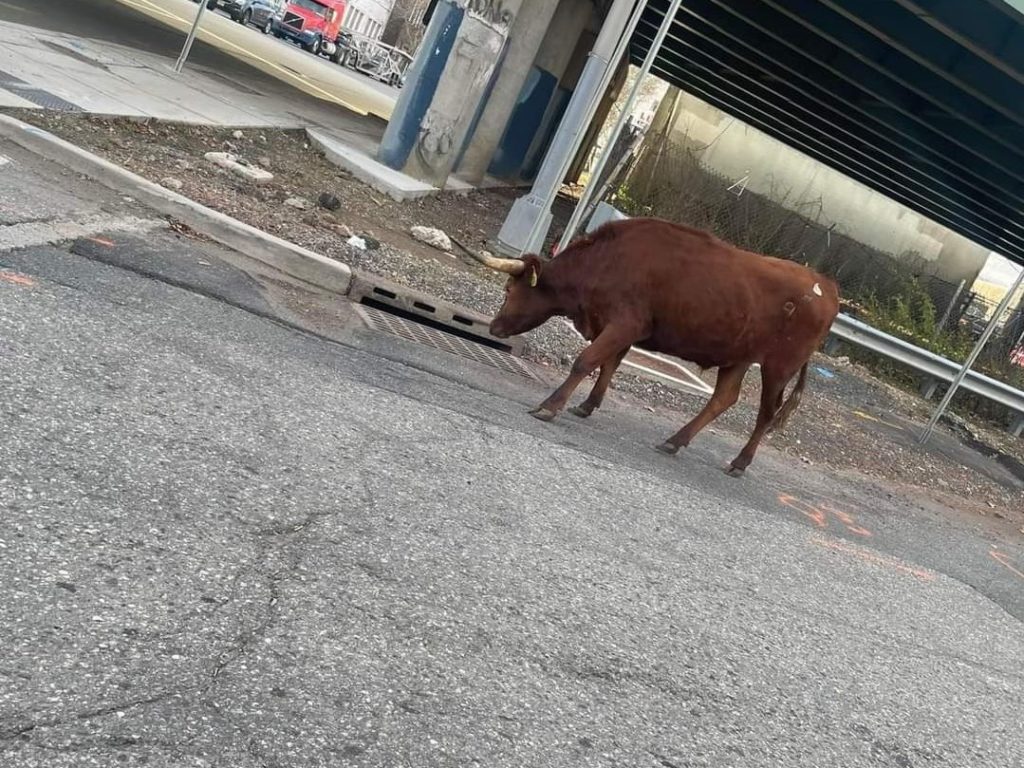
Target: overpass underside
<point>921,100</point>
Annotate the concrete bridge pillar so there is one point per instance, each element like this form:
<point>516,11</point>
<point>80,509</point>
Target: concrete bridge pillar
<point>461,51</point>
<point>541,38</point>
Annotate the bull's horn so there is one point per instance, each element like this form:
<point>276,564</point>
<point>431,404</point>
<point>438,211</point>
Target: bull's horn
<point>508,266</point>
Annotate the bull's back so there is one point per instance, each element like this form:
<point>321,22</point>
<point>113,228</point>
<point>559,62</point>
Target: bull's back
<point>707,301</point>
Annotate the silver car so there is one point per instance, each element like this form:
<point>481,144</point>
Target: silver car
<point>255,12</point>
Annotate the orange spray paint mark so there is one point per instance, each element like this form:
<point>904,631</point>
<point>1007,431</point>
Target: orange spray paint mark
<point>814,514</point>
<point>1004,560</point>
<point>102,241</point>
<point>847,520</point>
<point>819,514</point>
<point>873,557</point>
<point>16,279</point>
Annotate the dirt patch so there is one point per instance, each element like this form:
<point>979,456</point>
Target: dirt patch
<point>848,420</point>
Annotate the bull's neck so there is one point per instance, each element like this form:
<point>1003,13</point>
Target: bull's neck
<point>565,278</point>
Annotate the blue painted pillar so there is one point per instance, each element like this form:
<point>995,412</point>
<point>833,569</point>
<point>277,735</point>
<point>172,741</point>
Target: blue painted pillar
<point>445,87</point>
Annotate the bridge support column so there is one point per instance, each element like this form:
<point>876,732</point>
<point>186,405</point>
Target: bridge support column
<point>530,217</point>
<point>525,38</point>
<point>449,79</point>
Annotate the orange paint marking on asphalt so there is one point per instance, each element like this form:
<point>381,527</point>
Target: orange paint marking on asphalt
<point>818,514</point>
<point>16,279</point>
<point>1004,560</point>
<point>873,557</point>
<point>102,241</point>
<point>814,514</point>
<point>847,520</point>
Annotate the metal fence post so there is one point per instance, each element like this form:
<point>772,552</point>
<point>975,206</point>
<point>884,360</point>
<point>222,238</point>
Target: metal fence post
<point>952,303</point>
<point>191,38</point>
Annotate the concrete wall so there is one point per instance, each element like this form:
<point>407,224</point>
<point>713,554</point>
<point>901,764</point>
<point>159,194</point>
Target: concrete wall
<point>789,177</point>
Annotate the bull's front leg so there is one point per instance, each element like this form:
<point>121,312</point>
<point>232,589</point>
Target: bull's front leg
<point>611,341</point>
<point>604,379</point>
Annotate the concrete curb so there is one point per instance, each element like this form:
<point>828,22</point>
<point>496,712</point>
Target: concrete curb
<point>289,258</point>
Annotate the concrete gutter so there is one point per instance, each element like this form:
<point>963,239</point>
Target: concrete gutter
<point>293,260</point>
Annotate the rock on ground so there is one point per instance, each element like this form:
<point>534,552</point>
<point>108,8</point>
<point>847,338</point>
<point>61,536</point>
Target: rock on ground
<point>432,236</point>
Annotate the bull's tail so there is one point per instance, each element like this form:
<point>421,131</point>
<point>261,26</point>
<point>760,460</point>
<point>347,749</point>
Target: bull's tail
<point>791,402</point>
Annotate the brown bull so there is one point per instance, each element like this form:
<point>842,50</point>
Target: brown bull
<point>679,291</point>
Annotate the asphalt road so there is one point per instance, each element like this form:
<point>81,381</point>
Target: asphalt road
<point>159,26</point>
<point>241,529</point>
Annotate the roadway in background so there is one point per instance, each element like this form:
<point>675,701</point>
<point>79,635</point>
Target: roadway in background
<point>160,26</point>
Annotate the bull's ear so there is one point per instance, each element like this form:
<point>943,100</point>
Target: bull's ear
<point>533,267</point>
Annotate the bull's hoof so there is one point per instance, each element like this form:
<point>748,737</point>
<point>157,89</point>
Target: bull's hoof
<point>732,471</point>
<point>543,414</point>
<point>582,411</point>
<point>668,448</point>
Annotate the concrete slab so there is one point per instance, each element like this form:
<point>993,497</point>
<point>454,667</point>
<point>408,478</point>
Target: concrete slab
<point>455,184</point>
<point>393,183</point>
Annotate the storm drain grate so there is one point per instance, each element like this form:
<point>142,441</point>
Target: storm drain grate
<point>43,99</point>
<point>447,342</point>
<point>37,96</point>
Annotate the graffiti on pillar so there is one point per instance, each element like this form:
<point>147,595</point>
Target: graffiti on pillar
<point>494,12</point>
<point>436,140</point>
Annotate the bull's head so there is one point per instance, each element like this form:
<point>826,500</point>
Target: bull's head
<point>527,300</point>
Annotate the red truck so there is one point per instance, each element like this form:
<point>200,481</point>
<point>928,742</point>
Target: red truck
<point>313,24</point>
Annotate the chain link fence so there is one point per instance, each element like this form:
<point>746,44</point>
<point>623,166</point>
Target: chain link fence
<point>894,292</point>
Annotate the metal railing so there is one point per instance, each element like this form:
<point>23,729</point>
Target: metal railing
<point>936,369</point>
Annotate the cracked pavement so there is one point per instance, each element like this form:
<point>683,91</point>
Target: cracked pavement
<point>229,541</point>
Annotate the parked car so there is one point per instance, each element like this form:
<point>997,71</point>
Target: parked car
<point>313,24</point>
<point>259,13</point>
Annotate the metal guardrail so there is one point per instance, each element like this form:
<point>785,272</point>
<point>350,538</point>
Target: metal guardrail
<point>935,368</point>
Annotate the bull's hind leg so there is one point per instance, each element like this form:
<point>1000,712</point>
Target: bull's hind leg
<point>608,343</point>
<point>773,387</point>
<point>596,396</point>
<point>727,392</point>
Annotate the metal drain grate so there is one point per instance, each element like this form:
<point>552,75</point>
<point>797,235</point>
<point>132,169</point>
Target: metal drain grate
<point>37,96</point>
<point>447,342</point>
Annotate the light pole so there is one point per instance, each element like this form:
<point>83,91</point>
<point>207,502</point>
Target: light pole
<point>191,38</point>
